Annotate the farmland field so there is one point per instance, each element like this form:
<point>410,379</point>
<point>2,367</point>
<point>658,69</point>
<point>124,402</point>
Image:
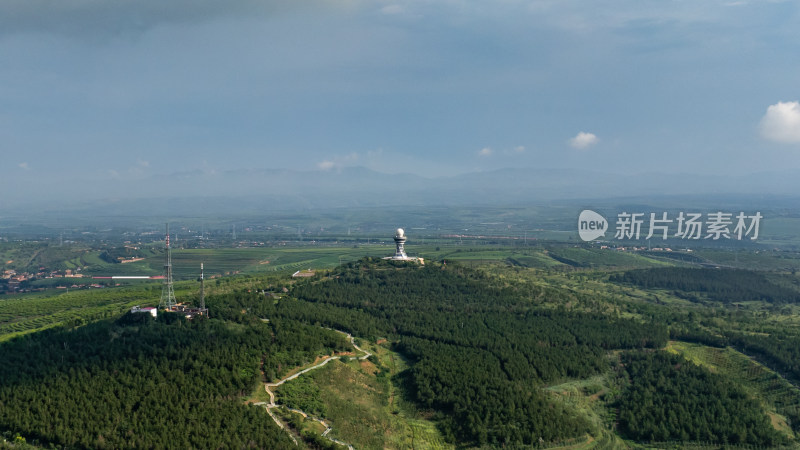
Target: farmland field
<point>21,314</point>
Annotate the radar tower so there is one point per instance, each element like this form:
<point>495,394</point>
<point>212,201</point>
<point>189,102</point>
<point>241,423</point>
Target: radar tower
<point>400,251</point>
<point>400,242</point>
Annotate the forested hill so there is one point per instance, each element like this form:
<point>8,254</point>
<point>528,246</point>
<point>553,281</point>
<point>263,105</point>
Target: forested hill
<point>671,399</point>
<point>150,384</point>
<point>723,285</point>
<point>488,359</point>
<point>481,351</point>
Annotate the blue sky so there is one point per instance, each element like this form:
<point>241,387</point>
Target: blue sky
<point>129,89</point>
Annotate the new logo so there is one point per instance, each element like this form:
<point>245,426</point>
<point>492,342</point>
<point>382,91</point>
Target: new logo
<point>591,225</point>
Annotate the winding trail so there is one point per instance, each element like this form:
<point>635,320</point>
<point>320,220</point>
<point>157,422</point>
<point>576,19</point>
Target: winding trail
<point>269,406</point>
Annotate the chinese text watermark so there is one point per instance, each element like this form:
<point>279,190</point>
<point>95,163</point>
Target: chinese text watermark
<point>686,225</point>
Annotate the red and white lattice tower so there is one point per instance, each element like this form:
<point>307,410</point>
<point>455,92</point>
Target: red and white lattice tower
<point>167,291</point>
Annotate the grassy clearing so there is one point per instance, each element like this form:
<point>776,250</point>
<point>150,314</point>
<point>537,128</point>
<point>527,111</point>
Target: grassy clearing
<point>594,258</point>
<point>537,260</point>
<point>552,256</point>
<point>590,398</point>
<point>363,405</point>
<point>355,403</point>
<point>477,254</point>
<point>412,428</point>
<point>258,396</point>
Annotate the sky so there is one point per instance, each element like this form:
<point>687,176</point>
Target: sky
<point>131,89</point>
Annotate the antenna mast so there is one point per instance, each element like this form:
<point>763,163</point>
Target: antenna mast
<point>167,291</point>
<point>202,290</point>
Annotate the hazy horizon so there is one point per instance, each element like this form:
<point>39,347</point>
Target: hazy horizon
<point>97,94</point>
<point>257,191</point>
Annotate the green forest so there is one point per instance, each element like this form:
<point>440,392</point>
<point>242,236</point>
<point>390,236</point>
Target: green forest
<point>138,382</point>
<point>487,353</point>
<point>671,399</point>
<point>482,351</point>
<point>722,285</point>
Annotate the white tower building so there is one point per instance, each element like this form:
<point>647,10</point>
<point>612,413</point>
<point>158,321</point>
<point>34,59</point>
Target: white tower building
<point>400,251</point>
<point>400,241</point>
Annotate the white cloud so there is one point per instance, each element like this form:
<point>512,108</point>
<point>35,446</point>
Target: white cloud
<point>485,152</point>
<point>781,123</point>
<point>326,165</point>
<point>24,165</point>
<point>138,169</point>
<point>392,9</point>
<point>583,140</point>
<point>339,161</point>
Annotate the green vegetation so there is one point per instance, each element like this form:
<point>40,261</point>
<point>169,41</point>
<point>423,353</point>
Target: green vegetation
<point>672,399</point>
<point>25,313</point>
<point>593,398</point>
<point>753,259</point>
<point>365,406</point>
<point>723,285</point>
<point>504,344</point>
<point>478,350</point>
<point>781,398</point>
<point>592,257</point>
<point>303,394</point>
<point>781,352</point>
<point>135,382</point>
<point>355,404</point>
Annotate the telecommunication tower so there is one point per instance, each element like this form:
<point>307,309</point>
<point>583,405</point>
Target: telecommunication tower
<point>167,291</point>
<point>202,290</point>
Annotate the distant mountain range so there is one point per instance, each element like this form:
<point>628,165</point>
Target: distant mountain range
<point>262,190</point>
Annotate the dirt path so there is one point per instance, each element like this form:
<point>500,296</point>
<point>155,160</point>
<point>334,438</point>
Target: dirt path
<point>269,406</point>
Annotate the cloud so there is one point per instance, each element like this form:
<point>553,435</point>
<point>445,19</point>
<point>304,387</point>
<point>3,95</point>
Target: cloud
<point>338,161</point>
<point>139,168</point>
<point>326,165</point>
<point>24,166</point>
<point>781,123</point>
<point>392,9</point>
<point>485,152</point>
<point>583,140</point>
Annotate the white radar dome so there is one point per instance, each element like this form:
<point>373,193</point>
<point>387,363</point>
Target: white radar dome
<point>400,232</point>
